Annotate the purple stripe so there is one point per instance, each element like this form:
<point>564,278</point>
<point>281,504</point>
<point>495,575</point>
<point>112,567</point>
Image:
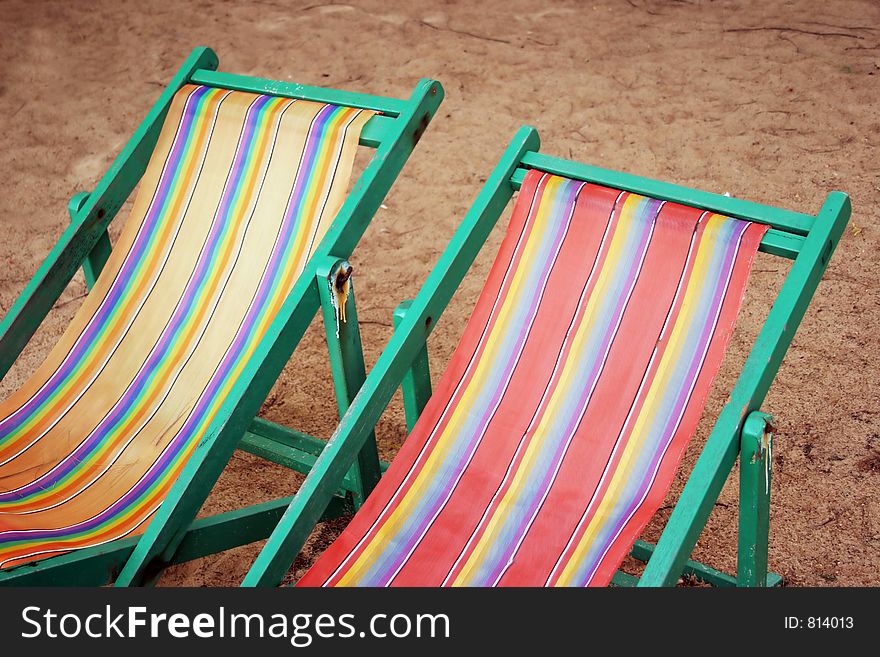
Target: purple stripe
<point>302,185</point>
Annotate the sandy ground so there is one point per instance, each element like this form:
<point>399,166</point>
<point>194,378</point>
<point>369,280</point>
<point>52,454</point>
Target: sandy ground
<point>775,102</point>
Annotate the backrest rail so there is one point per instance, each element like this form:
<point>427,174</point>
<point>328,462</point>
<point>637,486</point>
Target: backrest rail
<point>776,241</point>
<point>389,106</point>
<point>785,220</point>
<point>376,130</point>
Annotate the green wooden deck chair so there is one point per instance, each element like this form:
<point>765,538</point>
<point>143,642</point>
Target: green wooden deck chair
<point>237,236</point>
<point>557,428</point>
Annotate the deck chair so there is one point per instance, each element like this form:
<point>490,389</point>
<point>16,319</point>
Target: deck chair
<point>555,432</point>
<point>237,236</point>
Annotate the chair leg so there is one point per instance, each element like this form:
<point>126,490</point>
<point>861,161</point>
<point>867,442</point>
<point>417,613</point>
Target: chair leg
<point>416,384</point>
<point>347,363</point>
<point>756,458</point>
<point>94,262</point>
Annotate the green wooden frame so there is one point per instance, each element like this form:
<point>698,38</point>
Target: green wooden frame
<point>741,429</point>
<point>174,535</point>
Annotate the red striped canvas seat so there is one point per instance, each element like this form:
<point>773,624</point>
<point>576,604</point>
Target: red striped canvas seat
<point>554,434</point>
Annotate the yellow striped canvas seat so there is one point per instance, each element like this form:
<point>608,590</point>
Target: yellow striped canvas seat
<point>237,195</point>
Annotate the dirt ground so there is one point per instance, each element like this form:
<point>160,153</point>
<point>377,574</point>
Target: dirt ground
<point>775,102</point>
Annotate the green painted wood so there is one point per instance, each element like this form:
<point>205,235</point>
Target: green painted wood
<point>314,494</point>
<point>97,258</point>
<point>287,436</point>
<point>165,532</point>
<point>643,550</point>
<point>774,580</point>
<point>288,447</point>
<point>755,464</point>
<point>83,234</point>
<point>775,242</point>
<point>782,244</point>
<point>717,458</point>
<point>279,453</point>
<point>390,106</point>
<point>241,527</point>
<point>99,565</point>
<point>416,384</point>
<point>623,579</point>
<point>347,365</point>
<point>292,458</point>
<point>376,130</point>
<point>786,220</point>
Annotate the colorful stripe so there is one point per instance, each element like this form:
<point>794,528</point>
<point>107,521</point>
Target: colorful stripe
<point>237,195</point>
<point>556,430</point>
